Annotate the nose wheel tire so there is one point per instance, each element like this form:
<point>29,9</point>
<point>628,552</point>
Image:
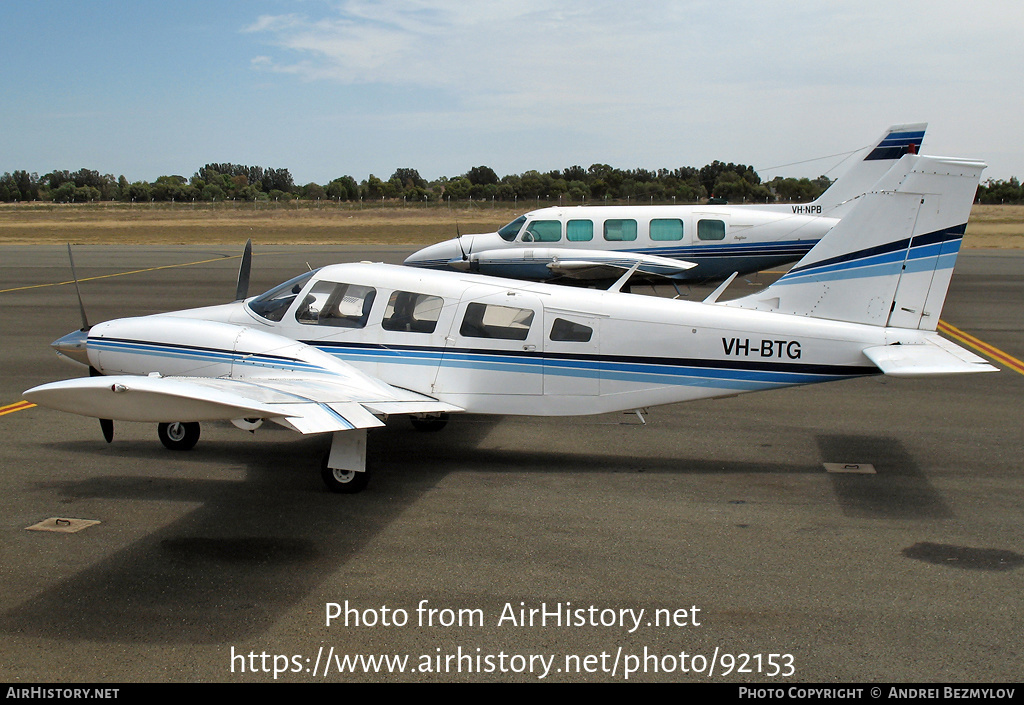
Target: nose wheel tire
<point>178,435</point>
<point>343,481</point>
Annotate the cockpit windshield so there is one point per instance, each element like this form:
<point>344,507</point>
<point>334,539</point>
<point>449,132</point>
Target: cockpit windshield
<point>275,302</point>
<point>509,232</point>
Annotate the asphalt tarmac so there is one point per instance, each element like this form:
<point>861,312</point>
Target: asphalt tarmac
<point>513,549</point>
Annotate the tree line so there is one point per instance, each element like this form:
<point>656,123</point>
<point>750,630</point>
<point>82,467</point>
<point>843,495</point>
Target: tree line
<point>600,183</point>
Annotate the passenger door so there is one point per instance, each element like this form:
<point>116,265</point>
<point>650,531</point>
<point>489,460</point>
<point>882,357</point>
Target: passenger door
<point>495,345</point>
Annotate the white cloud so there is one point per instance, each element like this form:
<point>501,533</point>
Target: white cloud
<point>648,78</point>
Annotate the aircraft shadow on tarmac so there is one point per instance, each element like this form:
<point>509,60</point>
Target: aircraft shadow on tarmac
<point>227,570</point>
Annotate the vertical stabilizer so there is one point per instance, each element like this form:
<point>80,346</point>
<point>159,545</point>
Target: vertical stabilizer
<point>869,165</point>
<point>889,261</point>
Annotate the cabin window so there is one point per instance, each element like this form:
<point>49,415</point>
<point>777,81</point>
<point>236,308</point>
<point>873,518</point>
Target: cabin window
<point>273,304</point>
<point>543,231</point>
<point>336,304</point>
<point>509,232</point>
<point>501,322</point>
<point>620,230</point>
<point>570,332</point>
<point>663,229</point>
<point>710,229</point>
<point>579,230</point>
<point>412,313</point>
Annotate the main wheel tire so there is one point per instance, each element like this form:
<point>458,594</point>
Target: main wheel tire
<point>178,435</point>
<point>343,481</point>
<point>429,423</point>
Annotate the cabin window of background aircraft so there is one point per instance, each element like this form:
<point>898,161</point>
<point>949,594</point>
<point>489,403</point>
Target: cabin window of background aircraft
<point>336,304</point>
<point>492,321</point>
<point>409,312</point>
<point>620,230</point>
<point>710,229</point>
<point>570,332</point>
<point>273,304</point>
<point>663,229</point>
<point>579,230</point>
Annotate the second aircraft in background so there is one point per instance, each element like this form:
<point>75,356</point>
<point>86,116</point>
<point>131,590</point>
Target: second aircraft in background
<point>688,243</point>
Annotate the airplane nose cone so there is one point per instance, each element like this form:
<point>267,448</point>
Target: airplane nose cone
<point>439,255</point>
<point>73,345</point>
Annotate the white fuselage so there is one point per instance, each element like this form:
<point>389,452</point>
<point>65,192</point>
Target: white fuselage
<point>719,240</point>
<point>498,346</point>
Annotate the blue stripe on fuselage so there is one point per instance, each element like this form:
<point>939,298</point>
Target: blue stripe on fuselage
<point>728,374</point>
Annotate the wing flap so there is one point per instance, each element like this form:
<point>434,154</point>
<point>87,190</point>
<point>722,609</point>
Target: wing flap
<point>312,417</point>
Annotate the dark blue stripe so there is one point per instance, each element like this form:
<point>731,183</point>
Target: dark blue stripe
<point>950,234</point>
<point>895,145</point>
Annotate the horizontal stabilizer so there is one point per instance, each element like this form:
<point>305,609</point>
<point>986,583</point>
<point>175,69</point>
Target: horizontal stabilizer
<point>936,357</point>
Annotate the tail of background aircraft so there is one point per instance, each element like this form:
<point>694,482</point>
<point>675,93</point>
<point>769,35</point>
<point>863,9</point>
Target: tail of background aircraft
<point>868,166</point>
<point>889,261</point>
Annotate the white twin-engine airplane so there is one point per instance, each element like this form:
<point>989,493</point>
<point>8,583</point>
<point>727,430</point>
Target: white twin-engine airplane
<point>683,243</point>
<point>342,347</point>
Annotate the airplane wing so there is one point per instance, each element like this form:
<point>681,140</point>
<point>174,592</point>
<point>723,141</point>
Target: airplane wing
<point>583,264</point>
<point>304,404</point>
<point>588,269</point>
<point>935,357</point>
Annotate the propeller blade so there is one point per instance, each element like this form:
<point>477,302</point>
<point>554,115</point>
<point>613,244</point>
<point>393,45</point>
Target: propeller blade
<point>458,236</point>
<point>242,288</point>
<point>107,426</point>
<point>81,306</point>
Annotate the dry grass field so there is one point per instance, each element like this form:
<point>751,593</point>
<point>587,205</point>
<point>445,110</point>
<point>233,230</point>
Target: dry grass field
<point>328,224</point>
<point>160,224</point>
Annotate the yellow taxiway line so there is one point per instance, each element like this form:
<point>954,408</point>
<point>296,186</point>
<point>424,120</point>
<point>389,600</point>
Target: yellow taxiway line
<point>989,351</point>
<point>11,408</point>
<point>121,274</point>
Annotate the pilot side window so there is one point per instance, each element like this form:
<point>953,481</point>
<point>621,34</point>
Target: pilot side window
<point>273,304</point>
<point>570,332</point>
<point>412,313</point>
<point>620,230</point>
<point>336,304</point>
<point>663,229</point>
<point>710,229</point>
<point>543,231</point>
<point>509,232</point>
<point>501,322</point>
<point>579,230</point>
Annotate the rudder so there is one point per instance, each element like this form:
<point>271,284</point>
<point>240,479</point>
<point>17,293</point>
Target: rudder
<point>890,260</point>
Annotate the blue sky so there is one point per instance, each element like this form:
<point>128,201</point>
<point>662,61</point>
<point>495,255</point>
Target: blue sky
<point>358,87</point>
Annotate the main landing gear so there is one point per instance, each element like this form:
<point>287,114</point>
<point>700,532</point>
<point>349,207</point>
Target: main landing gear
<point>348,449</point>
<point>343,481</point>
<point>178,435</point>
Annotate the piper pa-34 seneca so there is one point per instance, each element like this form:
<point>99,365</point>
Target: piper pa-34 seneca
<point>339,348</point>
<point>692,243</point>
